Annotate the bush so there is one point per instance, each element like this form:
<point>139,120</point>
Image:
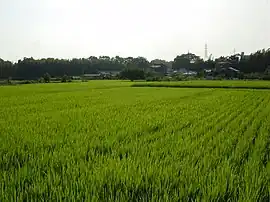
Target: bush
<point>253,76</point>
<point>153,78</point>
<point>132,74</point>
<point>9,81</point>
<point>27,82</point>
<point>41,80</point>
<point>47,78</point>
<point>266,77</point>
<point>166,79</point>
<point>64,79</point>
<point>179,78</point>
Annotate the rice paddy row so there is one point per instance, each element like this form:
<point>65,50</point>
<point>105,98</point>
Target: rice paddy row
<point>106,141</point>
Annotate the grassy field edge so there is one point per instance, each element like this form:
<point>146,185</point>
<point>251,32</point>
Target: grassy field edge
<point>207,84</point>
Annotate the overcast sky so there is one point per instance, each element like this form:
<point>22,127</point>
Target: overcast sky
<point>149,28</point>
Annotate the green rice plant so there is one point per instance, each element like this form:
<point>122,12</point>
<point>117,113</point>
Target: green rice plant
<point>234,84</point>
<point>108,141</point>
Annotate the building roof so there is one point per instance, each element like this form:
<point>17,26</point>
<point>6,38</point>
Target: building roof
<point>91,75</point>
<point>223,62</point>
<point>233,69</point>
<point>109,71</point>
<point>190,73</point>
<point>157,65</point>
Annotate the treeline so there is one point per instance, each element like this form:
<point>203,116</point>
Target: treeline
<point>30,68</point>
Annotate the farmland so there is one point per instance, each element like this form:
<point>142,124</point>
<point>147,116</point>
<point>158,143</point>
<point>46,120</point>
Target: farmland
<point>108,141</point>
<point>234,84</point>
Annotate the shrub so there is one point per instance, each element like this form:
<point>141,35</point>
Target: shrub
<point>64,79</point>
<point>47,77</point>
<point>41,80</point>
<point>9,81</point>
<point>132,74</point>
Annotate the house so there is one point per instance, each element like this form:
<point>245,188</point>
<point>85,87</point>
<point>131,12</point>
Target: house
<point>244,57</point>
<point>76,78</point>
<point>209,74</point>
<point>207,71</point>
<point>190,73</point>
<point>161,68</point>
<point>224,69</point>
<point>182,70</point>
<point>185,71</point>
<point>222,64</point>
<point>233,69</point>
<point>91,76</point>
<point>228,72</point>
<point>110,73</point>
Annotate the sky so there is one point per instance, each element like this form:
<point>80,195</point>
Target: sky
<point>150,28</point>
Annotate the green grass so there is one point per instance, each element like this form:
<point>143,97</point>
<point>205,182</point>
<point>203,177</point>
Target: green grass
<point>106,141</point>
<point>237,84</point>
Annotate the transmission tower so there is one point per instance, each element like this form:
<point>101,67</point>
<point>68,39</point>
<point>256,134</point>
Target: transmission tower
<point>206,52</point>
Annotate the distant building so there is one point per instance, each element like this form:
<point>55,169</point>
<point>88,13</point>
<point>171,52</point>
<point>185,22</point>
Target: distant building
<point>190,73</point>
<point>207,70</point>
<point>110,73</point>
<point>228,72</point>
<point>100,75</point>
<point>244,57</point>
<point>76,77</point>
<point>222,64</point>
<point>233,69</point>
<point>161,68</point>
<point>91,76</point>
<point>184,71</point>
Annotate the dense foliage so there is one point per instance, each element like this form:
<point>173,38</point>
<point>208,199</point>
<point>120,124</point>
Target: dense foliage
<point>132,74</point>
<point>255,65</point>
<point>105,141</point>
<point>30,68</point>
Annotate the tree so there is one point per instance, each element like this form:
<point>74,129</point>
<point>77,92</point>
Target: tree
<point>64,79</point>
<point>33,69</point>
<point>188,61</point>
<point>141,63</point>
<point>201,74</point>
<point>164,62</point>
<point>132,74</point>
<point>47,78</point>
<point>180,62</point>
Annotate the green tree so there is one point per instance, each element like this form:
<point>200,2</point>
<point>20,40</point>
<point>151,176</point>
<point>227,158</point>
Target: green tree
<point>132,74</point>
<point>188,61</point>
<point>201,74</point>
<point>47,77</point>
<point>64,79</point>
<point>33,69</point>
